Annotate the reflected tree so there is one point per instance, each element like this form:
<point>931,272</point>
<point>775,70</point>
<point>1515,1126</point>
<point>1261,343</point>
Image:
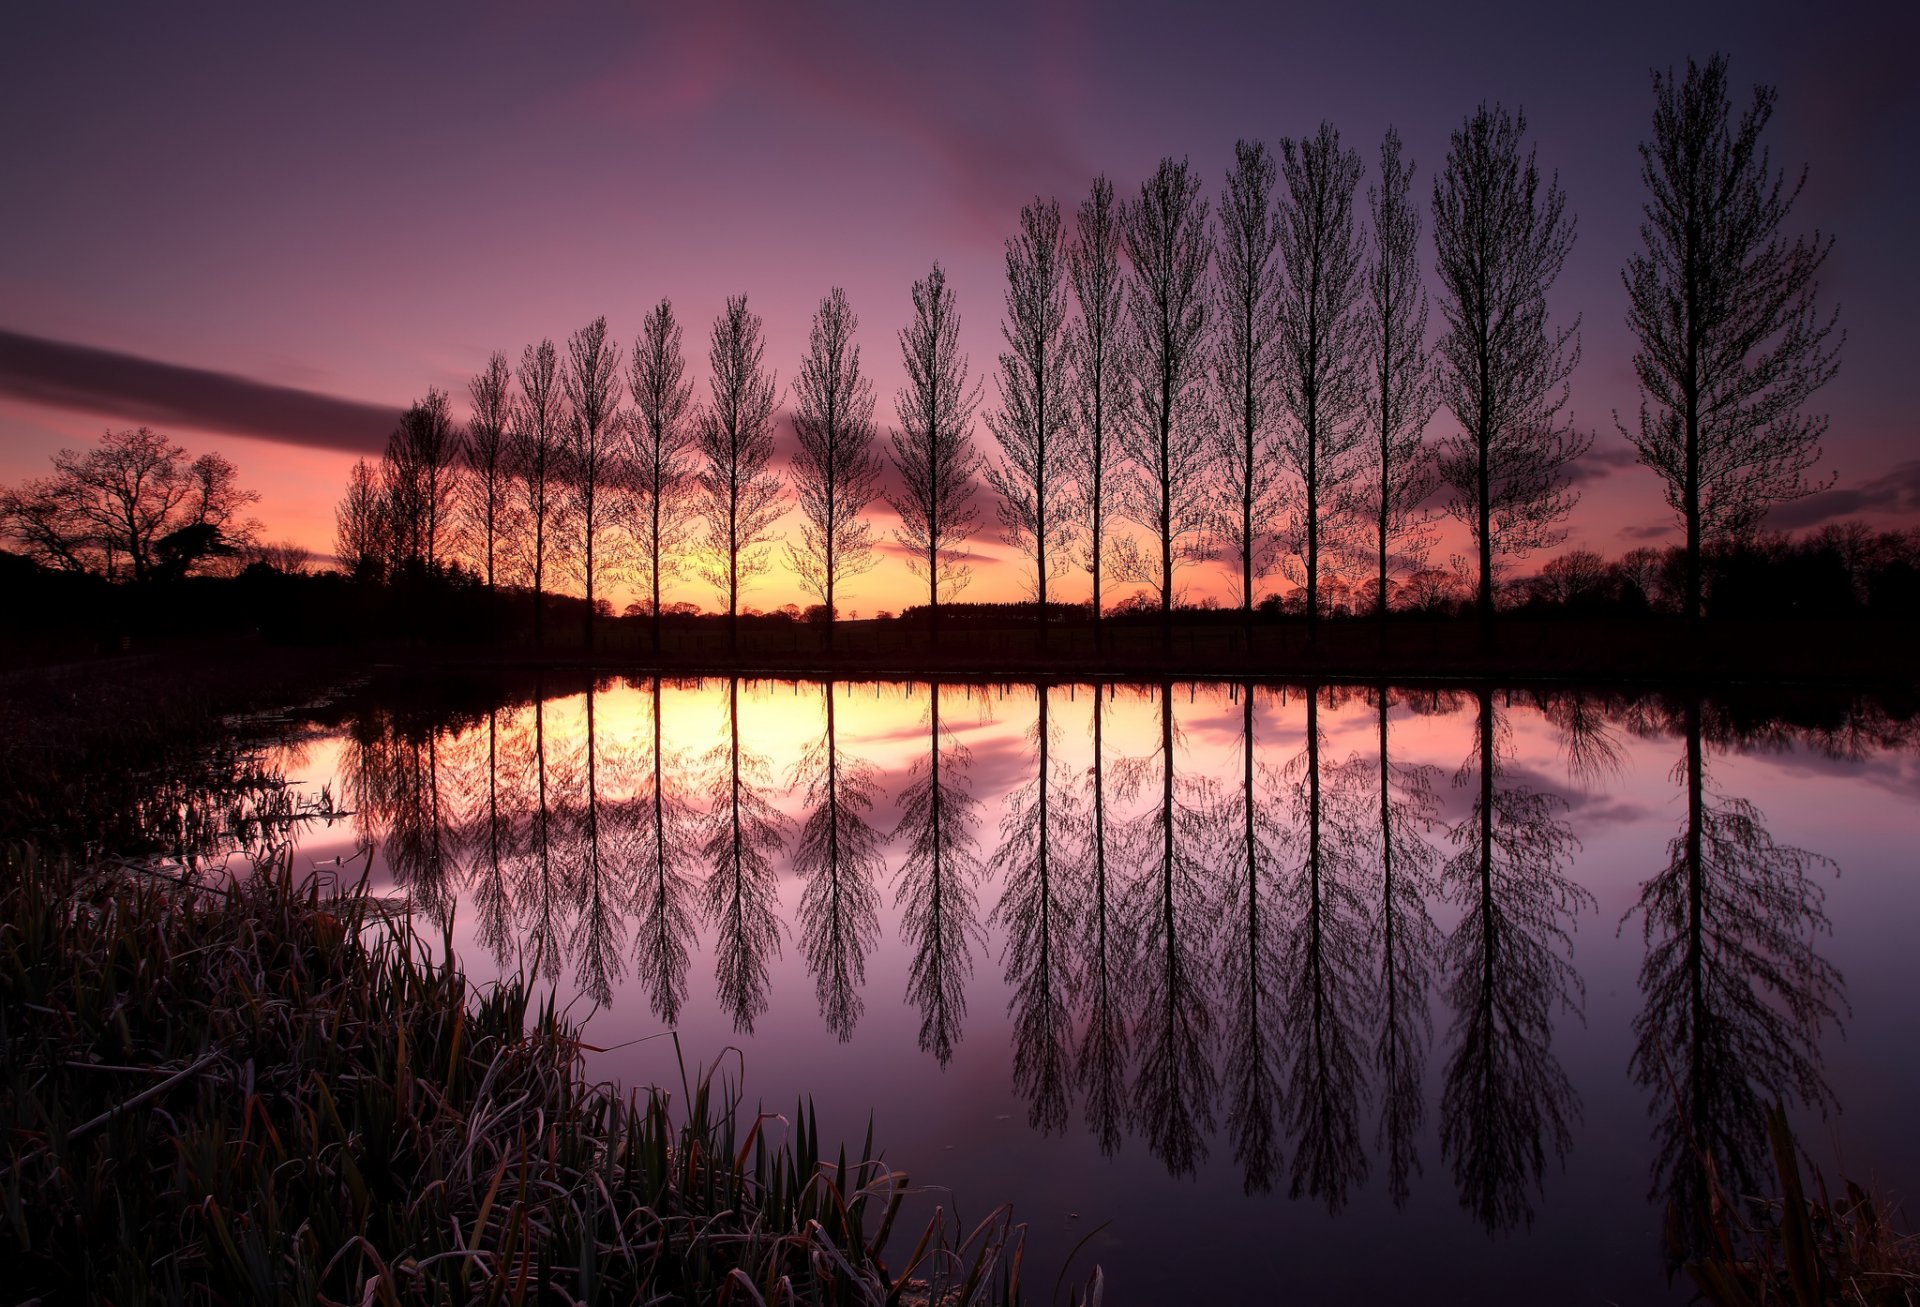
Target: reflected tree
<point>1250,843</point>
<point>599,883</point>
<point>1407,943</point>
<point>1323,964</point>
<point>665,832</point>
<point>491,820</point>
<point>838,859</point>
<point>1038,868</point>
<point>1736,996</point>
<point>934,886</point>
<point>1175,1082</point>
<point>1100,1061</point>
<point>1506,1099</point>
<point>744,832</point>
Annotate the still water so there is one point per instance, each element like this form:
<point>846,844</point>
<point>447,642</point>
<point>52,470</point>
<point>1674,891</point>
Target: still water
<point>1333,992</point>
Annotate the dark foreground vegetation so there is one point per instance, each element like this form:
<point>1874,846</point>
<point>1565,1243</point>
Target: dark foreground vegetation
<point>253,1091</point>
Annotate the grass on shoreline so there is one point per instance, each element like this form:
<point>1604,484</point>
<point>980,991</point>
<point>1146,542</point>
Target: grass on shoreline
<point>254,1091</point>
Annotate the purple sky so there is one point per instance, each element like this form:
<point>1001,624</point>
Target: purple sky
<point>266,225</point>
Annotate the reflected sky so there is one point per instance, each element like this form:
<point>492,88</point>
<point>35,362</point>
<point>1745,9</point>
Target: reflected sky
<point>1256,968</point>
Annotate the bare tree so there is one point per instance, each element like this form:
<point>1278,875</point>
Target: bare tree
<point>1247,364</point>
<point>935,886</point>
<point>538,460</point>
<point>1399,388</point>
<point>1500,243</point>
<point>1093,351</point>
<point>659,439</point>
<point>361,543</point>
<point>1322,342</point>
<point>1166,432</point>
<point>1038,865</point>
<point>134,506</point>
<point>838,857</point>
<point>738,495</point>
<point>487,451</point>
<point>594,420</point>
<point>744,833</point>
<point>836,471</point>
<point>1731,344</point>
<point>421,470</point>
<point>665,837</point>
<point>933,445</point>
<point>1033,423</point>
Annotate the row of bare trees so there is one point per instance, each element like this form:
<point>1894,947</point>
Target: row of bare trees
<point>1258,386</point>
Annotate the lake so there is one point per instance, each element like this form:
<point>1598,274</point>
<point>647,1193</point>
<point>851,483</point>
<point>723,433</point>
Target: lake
<point>1349,991</point>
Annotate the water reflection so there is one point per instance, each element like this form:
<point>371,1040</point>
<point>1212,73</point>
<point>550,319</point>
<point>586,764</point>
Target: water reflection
<point>1227,916</point>
<point>1506,1099</point>
<point>1736,994</point>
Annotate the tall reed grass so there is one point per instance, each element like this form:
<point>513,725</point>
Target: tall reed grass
<point>260,1091</point>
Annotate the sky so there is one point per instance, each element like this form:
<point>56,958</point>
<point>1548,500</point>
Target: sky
<point>266,229</point>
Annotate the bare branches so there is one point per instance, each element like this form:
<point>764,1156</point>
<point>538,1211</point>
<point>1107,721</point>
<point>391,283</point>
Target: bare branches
<point>659,438</point>
<point>1035,416</point>
<point>1731,343</point>
<point>1322,341</point>
<point>836,470</point>
<point>1247,362</point>
<point>1094,344</point>
<point>933,445</point>
<point>739,497</point>
<point>1503,371</point>
<point>485,487</point>
<point>594,419</point>
<point>538,460</point>
<point>1165,432</point>
<point>1400,397</point>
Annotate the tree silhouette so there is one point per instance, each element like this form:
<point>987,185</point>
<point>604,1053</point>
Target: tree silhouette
<point>1247,364</point>
<point>487,451</point>
<point>1038,867</point>
<point>744,831</point>
<point>492,818</point>
<point>1408,943</point>
<point>1322,343</point>
<point>659,440</point>
<point>421,476</point>
<point>540,880</point>
<point>602,879</point>
<point>1034,421</point>
<point>933,445</point>
<point>362,542</point>
<point>114,509</point>
<point>836,469</point>
<point>1094,342</point>
<point>592,434</point>
<point>1323,963</point>
<point>1500,243</point>
<point>838,859</point>
<point>1399,471</point>
<point>739,497</point>
<point>1166,432</point>
<point>1506,1099</point>
<point>663,841</point>
<point>538,458</point>
<point>1175,1082</point>
<point>1722,301</point>
<point>934,886</point>
<point>1252,972</point>
<point>1735,995</point>
<point>1100,1061</point>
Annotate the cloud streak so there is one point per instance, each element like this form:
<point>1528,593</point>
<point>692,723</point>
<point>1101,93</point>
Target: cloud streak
<point>1895,491</point>
<point>61,374</point>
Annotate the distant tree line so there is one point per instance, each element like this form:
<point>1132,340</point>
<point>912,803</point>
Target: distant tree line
<point>1257,385</point>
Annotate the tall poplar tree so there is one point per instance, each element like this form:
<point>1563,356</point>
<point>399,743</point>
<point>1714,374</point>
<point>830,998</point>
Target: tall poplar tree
<point>1032,424</point>
<point>740,496</point>
<point>836,470</point>
<point>660,436</point>
<point>1722,301</point>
